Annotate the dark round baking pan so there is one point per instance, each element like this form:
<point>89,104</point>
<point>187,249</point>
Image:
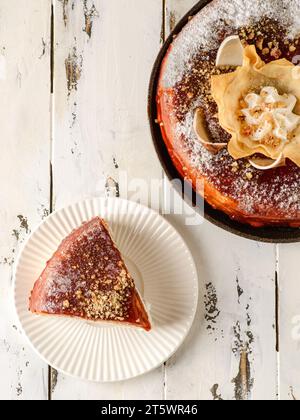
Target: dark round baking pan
<point>264,234</point>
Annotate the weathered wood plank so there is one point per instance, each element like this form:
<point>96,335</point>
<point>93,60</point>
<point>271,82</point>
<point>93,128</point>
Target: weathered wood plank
<point>24,171</point>
<point>289,321</point>
<point>104,51</point>
<point>174,11</point>
<point>231,352</point>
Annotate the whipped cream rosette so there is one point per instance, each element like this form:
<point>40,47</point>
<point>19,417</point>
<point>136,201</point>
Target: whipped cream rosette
<point>259,105</point>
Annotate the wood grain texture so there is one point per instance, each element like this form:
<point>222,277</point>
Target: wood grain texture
<point>231,353</point>
<point>174,11</point>
<point>104,51</point>
<point>100,126</point>
<point>103,54</point>
<point>289,322</point>
<point>24,171</point>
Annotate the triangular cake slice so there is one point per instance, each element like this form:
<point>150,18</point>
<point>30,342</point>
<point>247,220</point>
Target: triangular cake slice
<point>87,278</point>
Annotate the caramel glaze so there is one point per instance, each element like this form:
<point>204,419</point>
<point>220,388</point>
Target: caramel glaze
<point>87,278</point>
<point>219,179</point>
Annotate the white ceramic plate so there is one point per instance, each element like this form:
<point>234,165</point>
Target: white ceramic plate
<point>165,275</point>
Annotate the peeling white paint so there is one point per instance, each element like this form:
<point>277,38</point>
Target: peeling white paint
<point>109,108</point>
<point>24,163</point>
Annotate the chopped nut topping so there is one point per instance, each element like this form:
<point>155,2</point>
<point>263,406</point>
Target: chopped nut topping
<point>276,53</point>
<point>78,294</point>
<point>96,283</point>
<point>249,175</point>
<point>260,43</point>
<point>234,167</point>
<point>66,304</point>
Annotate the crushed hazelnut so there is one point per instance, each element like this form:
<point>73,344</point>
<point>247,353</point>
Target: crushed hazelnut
<point>66,304</point>
<point>78,294</point>
<point>234,167</point>
<point>249,175</point>
<point>260,43</point>
<point>276,53</point>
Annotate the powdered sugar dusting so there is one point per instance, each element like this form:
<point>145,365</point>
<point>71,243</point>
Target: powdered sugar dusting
<point>87,278</point>
<point>256,192</point>
<point>253,194</point>
<point>204,29</point>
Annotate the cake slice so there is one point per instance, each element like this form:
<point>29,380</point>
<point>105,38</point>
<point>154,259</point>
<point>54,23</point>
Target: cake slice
<point>87,278</point>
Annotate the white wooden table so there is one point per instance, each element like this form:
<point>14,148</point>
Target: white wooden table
<point>73,83</point>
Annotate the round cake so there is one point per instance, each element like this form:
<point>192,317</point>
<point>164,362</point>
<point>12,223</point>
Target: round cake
<point>259,196</point>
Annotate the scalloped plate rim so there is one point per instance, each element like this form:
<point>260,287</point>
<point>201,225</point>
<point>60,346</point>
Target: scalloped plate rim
<point>67,208</point>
